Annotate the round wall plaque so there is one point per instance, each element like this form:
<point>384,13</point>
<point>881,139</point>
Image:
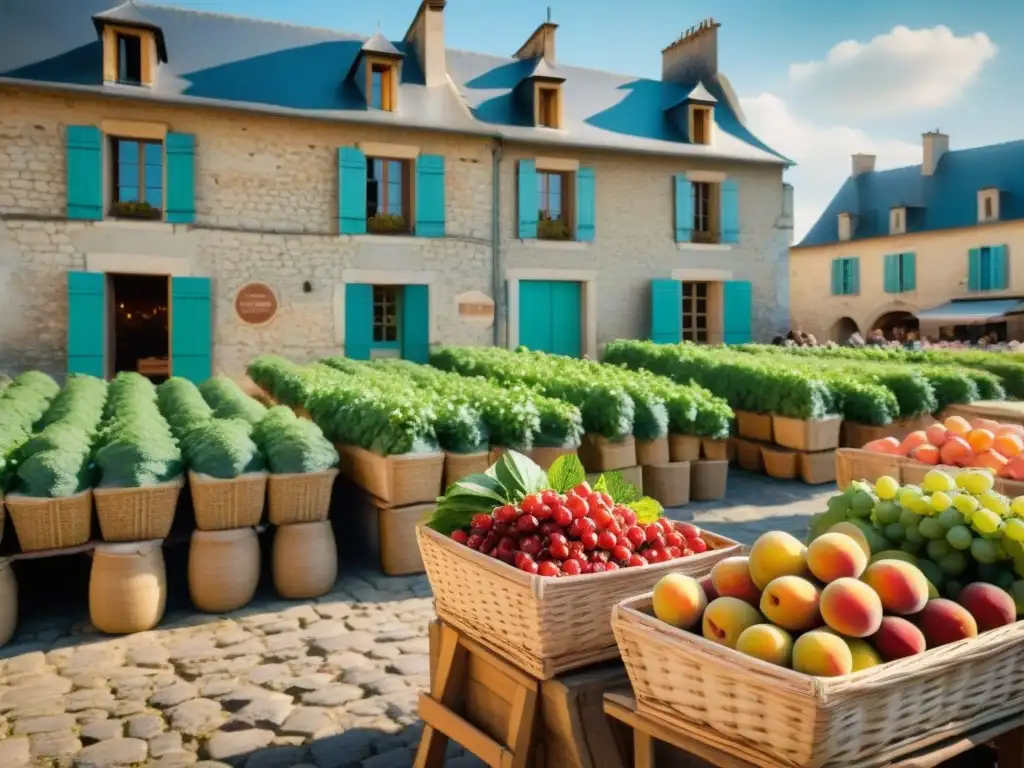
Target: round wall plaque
<point>256,303</point>
<point>476,309</point>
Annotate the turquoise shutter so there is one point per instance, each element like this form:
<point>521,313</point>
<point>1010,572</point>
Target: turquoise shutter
<point>86,329</point>
<point>415,331</point>
<point>729,200</point>
<point>586,210</point>
<point>974,269</point>
<point>684,208</point>
<point>191,328</point>
<point>181,178</point>
<point>528,204</point>
<point>909,261</point>
<point>998,268</point>
<point>837,277</point>
<point>737,300</point>
<point>85,172</point>
<point>358,320</point>
<point>429,196</point>
<point>854,283</point>
<point>666,311</point>
<point>891,273</point>
<point>351,191</point>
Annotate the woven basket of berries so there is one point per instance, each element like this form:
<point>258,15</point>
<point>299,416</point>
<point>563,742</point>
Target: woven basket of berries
<point>531,563</point>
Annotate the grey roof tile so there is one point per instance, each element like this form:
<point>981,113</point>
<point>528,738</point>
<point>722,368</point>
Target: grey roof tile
<point>380,44</point>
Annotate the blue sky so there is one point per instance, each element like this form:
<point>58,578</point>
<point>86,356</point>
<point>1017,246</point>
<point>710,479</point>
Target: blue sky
<point>876,95</point>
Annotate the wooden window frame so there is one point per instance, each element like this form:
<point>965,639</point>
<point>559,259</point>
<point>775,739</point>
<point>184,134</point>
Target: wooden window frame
<point>112,55</point>
<point>700,124</point>
<point>383,294</point>
<point>548,101</point>
<point>382,189</point>
<point>388,71</point>
<point>568,189</point>
<point>691,330</point>
<point>118,208</point>
<point>707,212</point>
<point>846,289</point>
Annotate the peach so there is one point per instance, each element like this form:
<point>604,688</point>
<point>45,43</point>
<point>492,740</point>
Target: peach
<point>980,440</point>
<point>937,434</point>
<point>1014,469</point>
<point>864,656</point>
<point>902,587</point>
<point>731,578</point>
<point>1008,445</point>
<point>709,588</point>
<point>990,606</point>
<point>767,643</point>
<point>942,621</point>
<point>1010,429</point>
<point>897,638</point>
<point>679,600</point>
<point>834,556</point>
<point>850,529</point>
<point>982,423</point>
<point>725,619</point>
<point>955,451</point>
<point>958,425</point>
<point>990,460</point>
<point>775,554</point>
<point>822,654</point>
<point>912,441</point>
<point>851,608</point>
<point>791,602</point>
<point>889,445</point>
<point>926,454</point>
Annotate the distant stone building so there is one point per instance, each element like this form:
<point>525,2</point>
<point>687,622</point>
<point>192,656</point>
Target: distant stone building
<point>181,190</point>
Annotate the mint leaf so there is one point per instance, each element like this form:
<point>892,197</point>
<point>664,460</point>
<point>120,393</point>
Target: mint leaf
<point>566,473</point>
<point>647,509</point>
<point>519,475</point>
<point>619,488</point>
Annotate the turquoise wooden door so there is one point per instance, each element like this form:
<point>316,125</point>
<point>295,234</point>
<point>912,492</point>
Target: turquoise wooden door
<point>191,329</point>
<point>86,327</point>
<point>549,317</point>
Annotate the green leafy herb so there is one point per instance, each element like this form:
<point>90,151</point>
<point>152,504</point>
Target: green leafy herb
<point>519,475</point>
<point>647,509</point>
<point>566,473</point>
<point>619,488</point>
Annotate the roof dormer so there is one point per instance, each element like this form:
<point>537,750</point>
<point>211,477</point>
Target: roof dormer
<point>988,205</point>
<point>694,115</point>
<point>540,93</point>
<point>847,222</point>
<point>378,72</point>
<point>133,45</point>
<point>898,220</point>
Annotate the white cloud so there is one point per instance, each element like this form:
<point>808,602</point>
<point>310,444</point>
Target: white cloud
<point>901,71</point>
<point>822,153</point>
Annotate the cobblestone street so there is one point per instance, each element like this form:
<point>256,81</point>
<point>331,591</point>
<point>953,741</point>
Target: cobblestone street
<point>329,683</point>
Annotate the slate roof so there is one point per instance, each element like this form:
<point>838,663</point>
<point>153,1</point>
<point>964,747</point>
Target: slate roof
<point>249,64</point>
<point>380,44</point>
<point>944,200</point>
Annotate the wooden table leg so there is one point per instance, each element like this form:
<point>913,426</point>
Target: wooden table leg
<point>1010,748</point>
<point>446,688</point>
<point>643,749</point>
<point>520,726</point>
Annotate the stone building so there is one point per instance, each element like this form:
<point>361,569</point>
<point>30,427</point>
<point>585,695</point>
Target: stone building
<point>929,247</point>
<point>181,190</point>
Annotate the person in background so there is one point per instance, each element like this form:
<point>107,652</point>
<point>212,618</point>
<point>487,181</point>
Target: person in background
<point>778,341</point>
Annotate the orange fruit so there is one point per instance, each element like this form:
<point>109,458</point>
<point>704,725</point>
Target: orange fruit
<point>912,441</point>
<point>980,440</point>
<point>1008,444</point>
<point>958,425</point>
<point>990,460</point>
<point>926,454</point>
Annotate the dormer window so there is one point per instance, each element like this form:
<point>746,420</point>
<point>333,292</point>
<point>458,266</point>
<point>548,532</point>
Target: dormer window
<point>132,45</point>
<point>898,221</point>
<point>845,226</point>
<point>700,125</point>
<point>693,115</point>
<point>382,87</point>
<point>548,111</point>
<point>988,205</point>
<point>377,73</point>
<point>129,58</point>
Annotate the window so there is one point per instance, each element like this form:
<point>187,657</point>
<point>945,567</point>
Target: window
<point>382,87</point>
<point>547,107</point>
<point>845,277</point>
<point>137,188</point>
<point>897,221</point>
<point>700,118</point>
<point>385,314</point>
<point>988,269</point>
<point>129,59</point>
<point>553,203</point>
<point>988,208</point>
<point>695,312</point>
<point>387,195</point>
<point>845,226</point>
<point>705,212</point>
<point>900,273</point>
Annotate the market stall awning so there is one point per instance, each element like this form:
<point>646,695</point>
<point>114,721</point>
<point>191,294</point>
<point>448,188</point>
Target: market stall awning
<point>971,312</point>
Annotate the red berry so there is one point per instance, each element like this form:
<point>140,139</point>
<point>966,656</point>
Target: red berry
<point>636,561</point>
<point>606,499</point>
<point>483,521</point>
<point>666,525</point>
<point>689,530</point>
<point>583,489</point>
<point>620,552</point>
<point>606,540</point>
<point>474,541</point>
<point>598,567</point>
<point>586,524</point>
<point>505,556</point>
<point>636,536</point>
<point>675,552</point>
<point>577,506</point>
<point>561,515</point>
<point>622,541</point>
<point>529,566</point>
<point>546,529</point>
<point>520,557</point>
<point>547,568</point>
<point>502,529</point>
<point>574,530</point>
<point>652,532</point>
<point>600,556</point>
<point>575,548</point>
<point>658,543</point>
<point>543,512</point>
<point>594,501</point>
<point>508,543</point>
<point>655,555</point>
<point>550,497</point>
<point>558,550</point>
<point>531,545</point>
<point>602,517</point>
<point>558,538</point>
<point>460,536</point>
<point>589,540</point>
<point>531,502</point>
<point>572,568</point>
<point>506,514</point>
<point>675,540</point>
<point>698,545</point>
<point>629,516</point>
<point>527,523</point>
<point>615,528</point>
<point>487,545</point>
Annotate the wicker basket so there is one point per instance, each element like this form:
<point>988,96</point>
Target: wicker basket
<point>544,456</point>
<point>708,480</point>
<point>668,484</point>
<point>650,453</point>
<point>683,448</point>
<point>8,601</point>
<point>1011,488</point>
<point>300,497</point>
<point>856,464</point>
<point>716,450</point>
<point>854,435</point>
<point>748,455</point>
<point>544,626</point>
<point>913,472</point>
<point>137,514</point>
<point>409,478</point>
<point>223,504</point>
<point>599,454</point>
<point>807,434</point>
<point>304,560</point>
<point>769,715</point>
<point>127,587</point>
<point>754,426</point>
<point>818,468</point>
<point>51,523</point>
<point>223,569</point>
<point>460,465</point>
<point>779,463</point>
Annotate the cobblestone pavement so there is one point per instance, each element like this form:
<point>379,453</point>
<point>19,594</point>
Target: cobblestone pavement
<point>329,683</point>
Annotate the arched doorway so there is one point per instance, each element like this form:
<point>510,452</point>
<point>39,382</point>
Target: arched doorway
<point>895,325</point>
<point>842,329</point>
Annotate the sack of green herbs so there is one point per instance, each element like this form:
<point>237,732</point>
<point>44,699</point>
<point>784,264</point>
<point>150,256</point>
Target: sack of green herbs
<point>292,445</point>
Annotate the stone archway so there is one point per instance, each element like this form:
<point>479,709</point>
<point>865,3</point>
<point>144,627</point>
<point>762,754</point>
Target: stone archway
<point>842,329</point>
<point>891,322</point>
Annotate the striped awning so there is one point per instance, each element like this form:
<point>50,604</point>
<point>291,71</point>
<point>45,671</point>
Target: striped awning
<point>972,312</point>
